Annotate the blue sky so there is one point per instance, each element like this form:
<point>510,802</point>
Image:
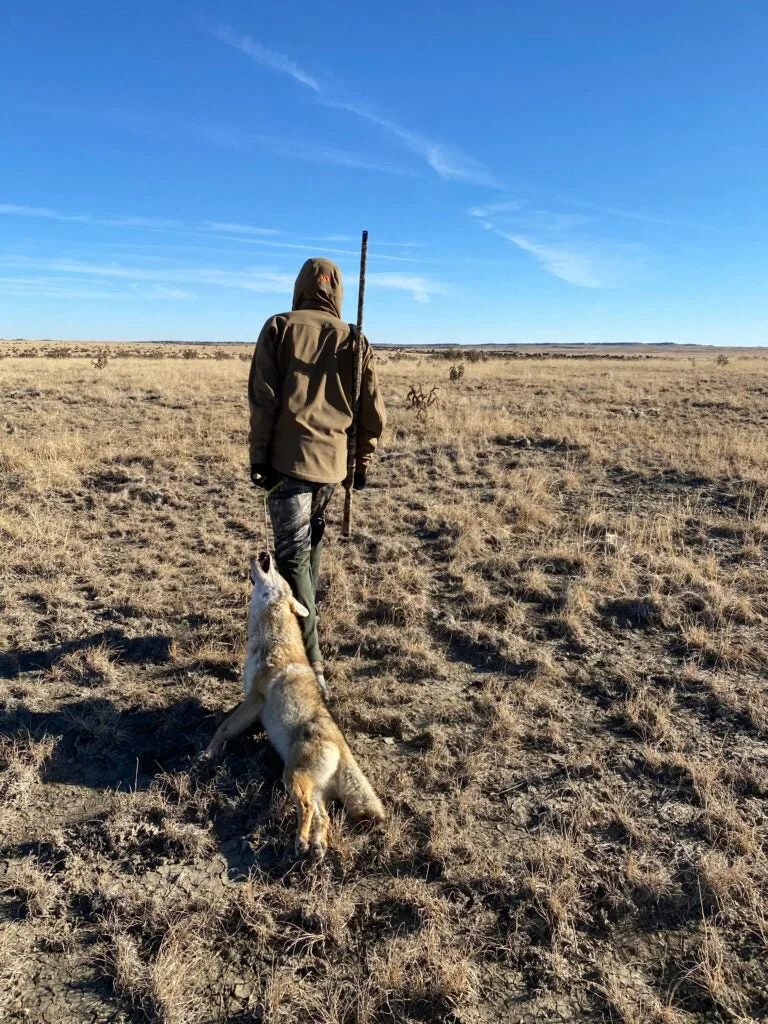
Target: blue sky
<point>558,171</point>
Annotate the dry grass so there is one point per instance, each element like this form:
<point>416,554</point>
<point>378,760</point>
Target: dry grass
<point>547,644</point>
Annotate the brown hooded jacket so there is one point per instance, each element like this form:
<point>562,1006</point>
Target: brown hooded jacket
<point>300,385</point>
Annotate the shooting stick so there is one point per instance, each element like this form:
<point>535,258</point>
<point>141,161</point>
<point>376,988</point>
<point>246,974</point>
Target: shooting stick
<point>356,384</point>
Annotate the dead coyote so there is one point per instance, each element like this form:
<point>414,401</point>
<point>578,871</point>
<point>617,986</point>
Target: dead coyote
<point>282,691</point>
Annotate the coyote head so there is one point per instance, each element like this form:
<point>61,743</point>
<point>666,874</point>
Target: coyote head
<point>269,587</point>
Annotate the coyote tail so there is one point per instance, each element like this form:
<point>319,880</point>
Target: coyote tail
<point>356,792</point>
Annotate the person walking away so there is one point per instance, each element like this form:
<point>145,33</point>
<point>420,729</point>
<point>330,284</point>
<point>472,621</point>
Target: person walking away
<point>300,397</point>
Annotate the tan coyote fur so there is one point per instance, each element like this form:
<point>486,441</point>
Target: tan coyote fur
<point>281,691</point>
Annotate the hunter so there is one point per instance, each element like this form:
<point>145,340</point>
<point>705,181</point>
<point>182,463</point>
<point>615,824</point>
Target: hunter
<point>300,396</point>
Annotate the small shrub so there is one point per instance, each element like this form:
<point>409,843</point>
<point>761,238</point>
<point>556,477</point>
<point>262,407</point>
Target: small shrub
<point>419,401</point>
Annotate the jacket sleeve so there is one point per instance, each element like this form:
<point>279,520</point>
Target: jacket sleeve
<point>373,417</point>
<point>263,393</point>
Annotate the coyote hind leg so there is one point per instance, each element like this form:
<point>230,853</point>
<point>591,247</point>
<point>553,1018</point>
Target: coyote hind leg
<point>301,786</point>
<point>320,828</point>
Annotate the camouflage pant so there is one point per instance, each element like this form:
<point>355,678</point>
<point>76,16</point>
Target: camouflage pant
<point>297,510</point>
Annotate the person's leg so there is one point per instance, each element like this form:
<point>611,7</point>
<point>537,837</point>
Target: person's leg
<point>320,499</point>
<point>290,509</point>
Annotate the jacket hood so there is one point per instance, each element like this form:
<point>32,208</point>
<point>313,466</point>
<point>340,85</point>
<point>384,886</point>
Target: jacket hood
<point>319,286</point>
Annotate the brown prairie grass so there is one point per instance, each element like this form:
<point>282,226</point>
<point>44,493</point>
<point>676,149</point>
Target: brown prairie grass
<point>546,643</point>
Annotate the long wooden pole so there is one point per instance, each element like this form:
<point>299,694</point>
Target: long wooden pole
<point>346,525</point>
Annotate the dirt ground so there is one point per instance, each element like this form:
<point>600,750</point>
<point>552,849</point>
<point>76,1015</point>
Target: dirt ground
<point>547,644</point>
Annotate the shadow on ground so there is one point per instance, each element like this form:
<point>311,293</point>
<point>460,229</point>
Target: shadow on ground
<point>106,747</point>
<point>153,649</point>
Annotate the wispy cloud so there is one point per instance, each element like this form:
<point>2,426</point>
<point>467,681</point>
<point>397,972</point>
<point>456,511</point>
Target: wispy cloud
<point>66,277</point>
<point>268,58</point>
<point>586,263</point>
<point>9,210</point>
<point>420,288</point>
<point>295,150</point>
<point>53,287</point>
<point>238,229</point>
<point>172,129</point>
<point>319,246</point>
<point>227,137</point>
<point>244,234</point>
<point>637,215</point>
<point>521,205</point>
<point>566,262</point>
<point>137,222</point>
<point>402,245</point>
<point>252,279</point>
<point>269,243</point>
<point>491,209</point>
<point>529,217</point>
<point>446,161</point>
<point>560,245</point>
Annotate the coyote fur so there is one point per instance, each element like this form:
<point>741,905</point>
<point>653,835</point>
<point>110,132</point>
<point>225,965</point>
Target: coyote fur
<point>282,691</point>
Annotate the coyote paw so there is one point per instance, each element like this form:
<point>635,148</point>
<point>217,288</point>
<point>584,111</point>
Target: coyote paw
<point>319,849</point>
<point>302,847</point>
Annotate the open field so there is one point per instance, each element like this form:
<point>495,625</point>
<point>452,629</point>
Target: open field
<point>547,644</point>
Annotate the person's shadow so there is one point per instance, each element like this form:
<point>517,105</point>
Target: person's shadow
<point>152,649</point>
<point>104,746</point>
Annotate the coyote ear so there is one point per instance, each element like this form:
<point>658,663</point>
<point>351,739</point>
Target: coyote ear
<point>298,608</point>
<point>252,565</point>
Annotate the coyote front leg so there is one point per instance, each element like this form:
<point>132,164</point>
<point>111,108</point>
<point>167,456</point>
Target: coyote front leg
<point>245,714</point>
